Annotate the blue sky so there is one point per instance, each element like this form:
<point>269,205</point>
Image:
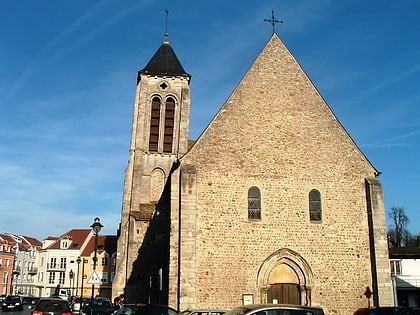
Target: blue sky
<point>67,81</point>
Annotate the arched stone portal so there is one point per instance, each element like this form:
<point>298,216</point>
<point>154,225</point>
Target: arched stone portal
<point>285,277</point>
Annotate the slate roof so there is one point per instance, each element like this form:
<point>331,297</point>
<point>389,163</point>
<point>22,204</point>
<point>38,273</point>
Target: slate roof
<point>164,62</point>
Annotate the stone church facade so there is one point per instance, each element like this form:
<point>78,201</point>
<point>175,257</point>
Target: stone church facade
<point>274,202</point>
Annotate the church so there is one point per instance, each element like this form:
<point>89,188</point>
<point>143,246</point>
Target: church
<point>273,203</point>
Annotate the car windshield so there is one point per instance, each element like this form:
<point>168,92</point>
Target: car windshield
<point>12,298</point>
<point>97,303</point>
<point>52,306</point>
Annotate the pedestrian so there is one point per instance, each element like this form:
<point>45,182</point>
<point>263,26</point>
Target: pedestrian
<point>121,300</point>
<point>116,302</point>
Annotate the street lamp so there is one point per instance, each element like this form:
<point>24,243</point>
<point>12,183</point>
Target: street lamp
<point>78,260</point>
<point>85,261</point>
<point>71,277</point>
<point>96,228</point>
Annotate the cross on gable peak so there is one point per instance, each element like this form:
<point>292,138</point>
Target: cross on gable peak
<point>273,21</point>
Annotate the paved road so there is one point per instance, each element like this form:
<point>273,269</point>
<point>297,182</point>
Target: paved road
<point>26,311</point>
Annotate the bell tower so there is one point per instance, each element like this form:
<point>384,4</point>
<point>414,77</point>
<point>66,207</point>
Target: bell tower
<point>159,137</point>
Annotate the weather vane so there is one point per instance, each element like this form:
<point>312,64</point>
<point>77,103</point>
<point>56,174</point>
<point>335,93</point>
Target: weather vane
<point>273,21</point>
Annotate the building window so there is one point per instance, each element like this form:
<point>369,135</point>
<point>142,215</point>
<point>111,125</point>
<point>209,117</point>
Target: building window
<point>169,125</point>
<point>315,209</point>
<point>154,125</point>
<point>51,278</point>
<point>53,262</point>
<point>62,278</point>
<point>104,277</point>
<point>254,203</point>
<point>104,262</point>
<point>395,267</point>
<point>63,263</point>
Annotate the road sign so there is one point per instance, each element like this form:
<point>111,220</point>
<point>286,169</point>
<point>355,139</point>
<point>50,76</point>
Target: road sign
<point>94,278</point>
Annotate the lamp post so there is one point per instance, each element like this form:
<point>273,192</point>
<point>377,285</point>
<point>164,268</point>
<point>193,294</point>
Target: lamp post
<point>96,228</point>
<point>78,260</point>
<point>85,261</point>
<point>71,277</point>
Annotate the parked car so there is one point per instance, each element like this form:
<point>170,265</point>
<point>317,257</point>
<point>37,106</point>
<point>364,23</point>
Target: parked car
<point>50,306</point>
<point>76,305</point>
<point>97,306</point>
<point>385,310</point>
<point>12,303</point>
<point>145,309</point>
<point>203,312</point>
<point>276,309</point>
<point>2,297</point>
<point>29,299</point>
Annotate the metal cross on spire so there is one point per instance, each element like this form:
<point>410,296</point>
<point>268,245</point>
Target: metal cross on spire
<point>273,21</point>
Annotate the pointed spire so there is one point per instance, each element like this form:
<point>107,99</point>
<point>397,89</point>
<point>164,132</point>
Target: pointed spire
<point>166,39</point>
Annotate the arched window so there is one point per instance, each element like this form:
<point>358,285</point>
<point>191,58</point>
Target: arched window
<point>315,209</point>
<point>254,203</point>
<point>154,125</point>
<point>169,125</point>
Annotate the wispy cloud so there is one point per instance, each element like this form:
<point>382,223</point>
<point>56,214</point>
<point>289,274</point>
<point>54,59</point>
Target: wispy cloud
<point>97,19</point>
<point>398,141</point>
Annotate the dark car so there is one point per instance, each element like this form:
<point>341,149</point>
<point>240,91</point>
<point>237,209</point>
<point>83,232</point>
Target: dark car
<point>50,306</point>
<point>276,309</point>
<point>145,309</point>
<point>385,310</point>
<point>203,312</point>
<point>97,306</point>
<point>12,303</point>
<point>29,299</point>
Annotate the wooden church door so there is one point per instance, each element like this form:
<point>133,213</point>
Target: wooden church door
<point>284,293</point>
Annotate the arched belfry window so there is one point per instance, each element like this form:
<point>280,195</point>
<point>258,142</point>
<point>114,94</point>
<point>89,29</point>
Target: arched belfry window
<point>315,209</point>
<point>254,203</point>
<point>168,134</point>
<point>154,124</point>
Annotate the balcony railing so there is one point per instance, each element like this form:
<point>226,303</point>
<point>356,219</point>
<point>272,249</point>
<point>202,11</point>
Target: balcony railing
<point>56,267</point>
<point>33,270</point>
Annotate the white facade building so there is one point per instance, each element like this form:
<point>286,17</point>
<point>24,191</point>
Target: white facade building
<point>405,275</point>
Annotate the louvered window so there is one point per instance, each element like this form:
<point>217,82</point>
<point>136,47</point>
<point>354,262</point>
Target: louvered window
<point>169,125</point>
<point>154,125</point>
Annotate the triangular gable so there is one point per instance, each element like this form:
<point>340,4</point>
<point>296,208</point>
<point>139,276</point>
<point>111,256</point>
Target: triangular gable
<point>276,109</point>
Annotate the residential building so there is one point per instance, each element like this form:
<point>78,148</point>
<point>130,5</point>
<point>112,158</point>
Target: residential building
<point>57,261</point>
<point>25,250</point>
<point>66,262</point>
<point>405,275</point>
<point>274,202</point>
<point>105,267</point>
<point>7,261</point>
